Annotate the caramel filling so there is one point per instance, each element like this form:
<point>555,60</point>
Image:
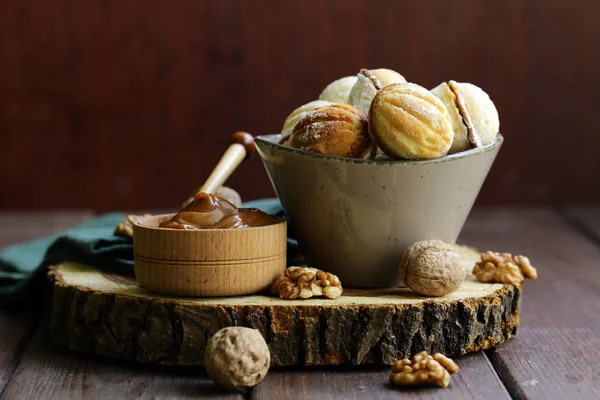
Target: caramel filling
<point>472,135</point>
<point>210,211</point>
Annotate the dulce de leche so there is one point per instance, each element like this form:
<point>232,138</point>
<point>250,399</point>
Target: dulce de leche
<point>210,211</point>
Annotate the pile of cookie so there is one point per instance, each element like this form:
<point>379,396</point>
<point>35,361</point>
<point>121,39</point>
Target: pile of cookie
<point>377,114</point>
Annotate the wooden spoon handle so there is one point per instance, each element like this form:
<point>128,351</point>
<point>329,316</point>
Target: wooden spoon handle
<point>242,147</point>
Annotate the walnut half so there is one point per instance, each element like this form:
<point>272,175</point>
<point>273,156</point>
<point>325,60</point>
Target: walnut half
<point>423,369</point>
<point>125,227</point>
<point>504,268</point>
<point>306,282</point>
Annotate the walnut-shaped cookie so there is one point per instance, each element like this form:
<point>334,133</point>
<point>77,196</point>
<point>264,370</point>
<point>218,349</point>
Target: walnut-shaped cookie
<point>473,114</point>
<point>461,141</point>
<point>338,130</point>
<point>296,115</point>
<point>338,90</point>
<point>369,82</point>
<point>409,122</point>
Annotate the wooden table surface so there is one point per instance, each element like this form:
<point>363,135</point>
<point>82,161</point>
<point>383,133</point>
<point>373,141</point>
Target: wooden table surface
<point>556,354</point>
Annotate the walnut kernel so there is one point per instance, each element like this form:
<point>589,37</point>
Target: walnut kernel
<point>526,268</point>
<point>306,282</point>
<point>503,268</point>
<point>423,369</point>
<point>125,227</point>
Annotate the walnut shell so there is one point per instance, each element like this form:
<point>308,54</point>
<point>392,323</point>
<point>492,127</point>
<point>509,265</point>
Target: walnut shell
<point>409,122</point>
<point>432,268</point>
<point>369,82</point>
<point>237,357</point>
<point>297,115</point>
<point>338,90</point>
<point>337,130</point>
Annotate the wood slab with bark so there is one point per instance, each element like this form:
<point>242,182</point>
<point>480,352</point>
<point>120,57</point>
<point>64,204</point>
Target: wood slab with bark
<point>112,315</point>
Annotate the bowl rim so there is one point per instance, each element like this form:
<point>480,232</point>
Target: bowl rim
<point>139,223</point>
<point>272,140</point>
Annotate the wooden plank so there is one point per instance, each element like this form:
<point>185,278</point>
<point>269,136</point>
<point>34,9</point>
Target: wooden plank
<point>586,219</point>
<point>17,325</point>
<point>21,226</point>
<point>49,372</point>
<point>476,380</point>
<point>16,329</point>
<point>557,350</point>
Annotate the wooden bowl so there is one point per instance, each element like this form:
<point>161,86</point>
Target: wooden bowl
<point>207,262</point>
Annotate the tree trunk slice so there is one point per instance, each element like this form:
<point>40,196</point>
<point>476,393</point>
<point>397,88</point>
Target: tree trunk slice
<point>112,315</point>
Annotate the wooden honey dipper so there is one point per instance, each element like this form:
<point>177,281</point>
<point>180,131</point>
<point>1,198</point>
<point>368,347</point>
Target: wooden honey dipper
<point>241,148</point>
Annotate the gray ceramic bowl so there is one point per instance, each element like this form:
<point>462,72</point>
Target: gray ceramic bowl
<point>354,218</point>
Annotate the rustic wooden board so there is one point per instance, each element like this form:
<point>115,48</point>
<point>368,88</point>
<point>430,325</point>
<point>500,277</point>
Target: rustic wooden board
<point>476,380</point>
<point>48,372</point>
<point>16,329</point>
<point>586,219</point>
<point>18,325</point>
<point>111,315</point>
<point>557,352</point>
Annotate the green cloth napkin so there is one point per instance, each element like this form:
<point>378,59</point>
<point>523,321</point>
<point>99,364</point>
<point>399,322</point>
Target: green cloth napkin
<point>92,243</point>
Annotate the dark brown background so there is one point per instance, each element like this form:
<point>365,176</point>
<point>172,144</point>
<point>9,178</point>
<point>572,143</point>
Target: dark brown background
<point>128,104</point>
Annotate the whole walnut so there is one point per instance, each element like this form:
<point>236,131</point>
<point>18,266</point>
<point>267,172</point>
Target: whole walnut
<point>432,268</point>
<point>237,357</point>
